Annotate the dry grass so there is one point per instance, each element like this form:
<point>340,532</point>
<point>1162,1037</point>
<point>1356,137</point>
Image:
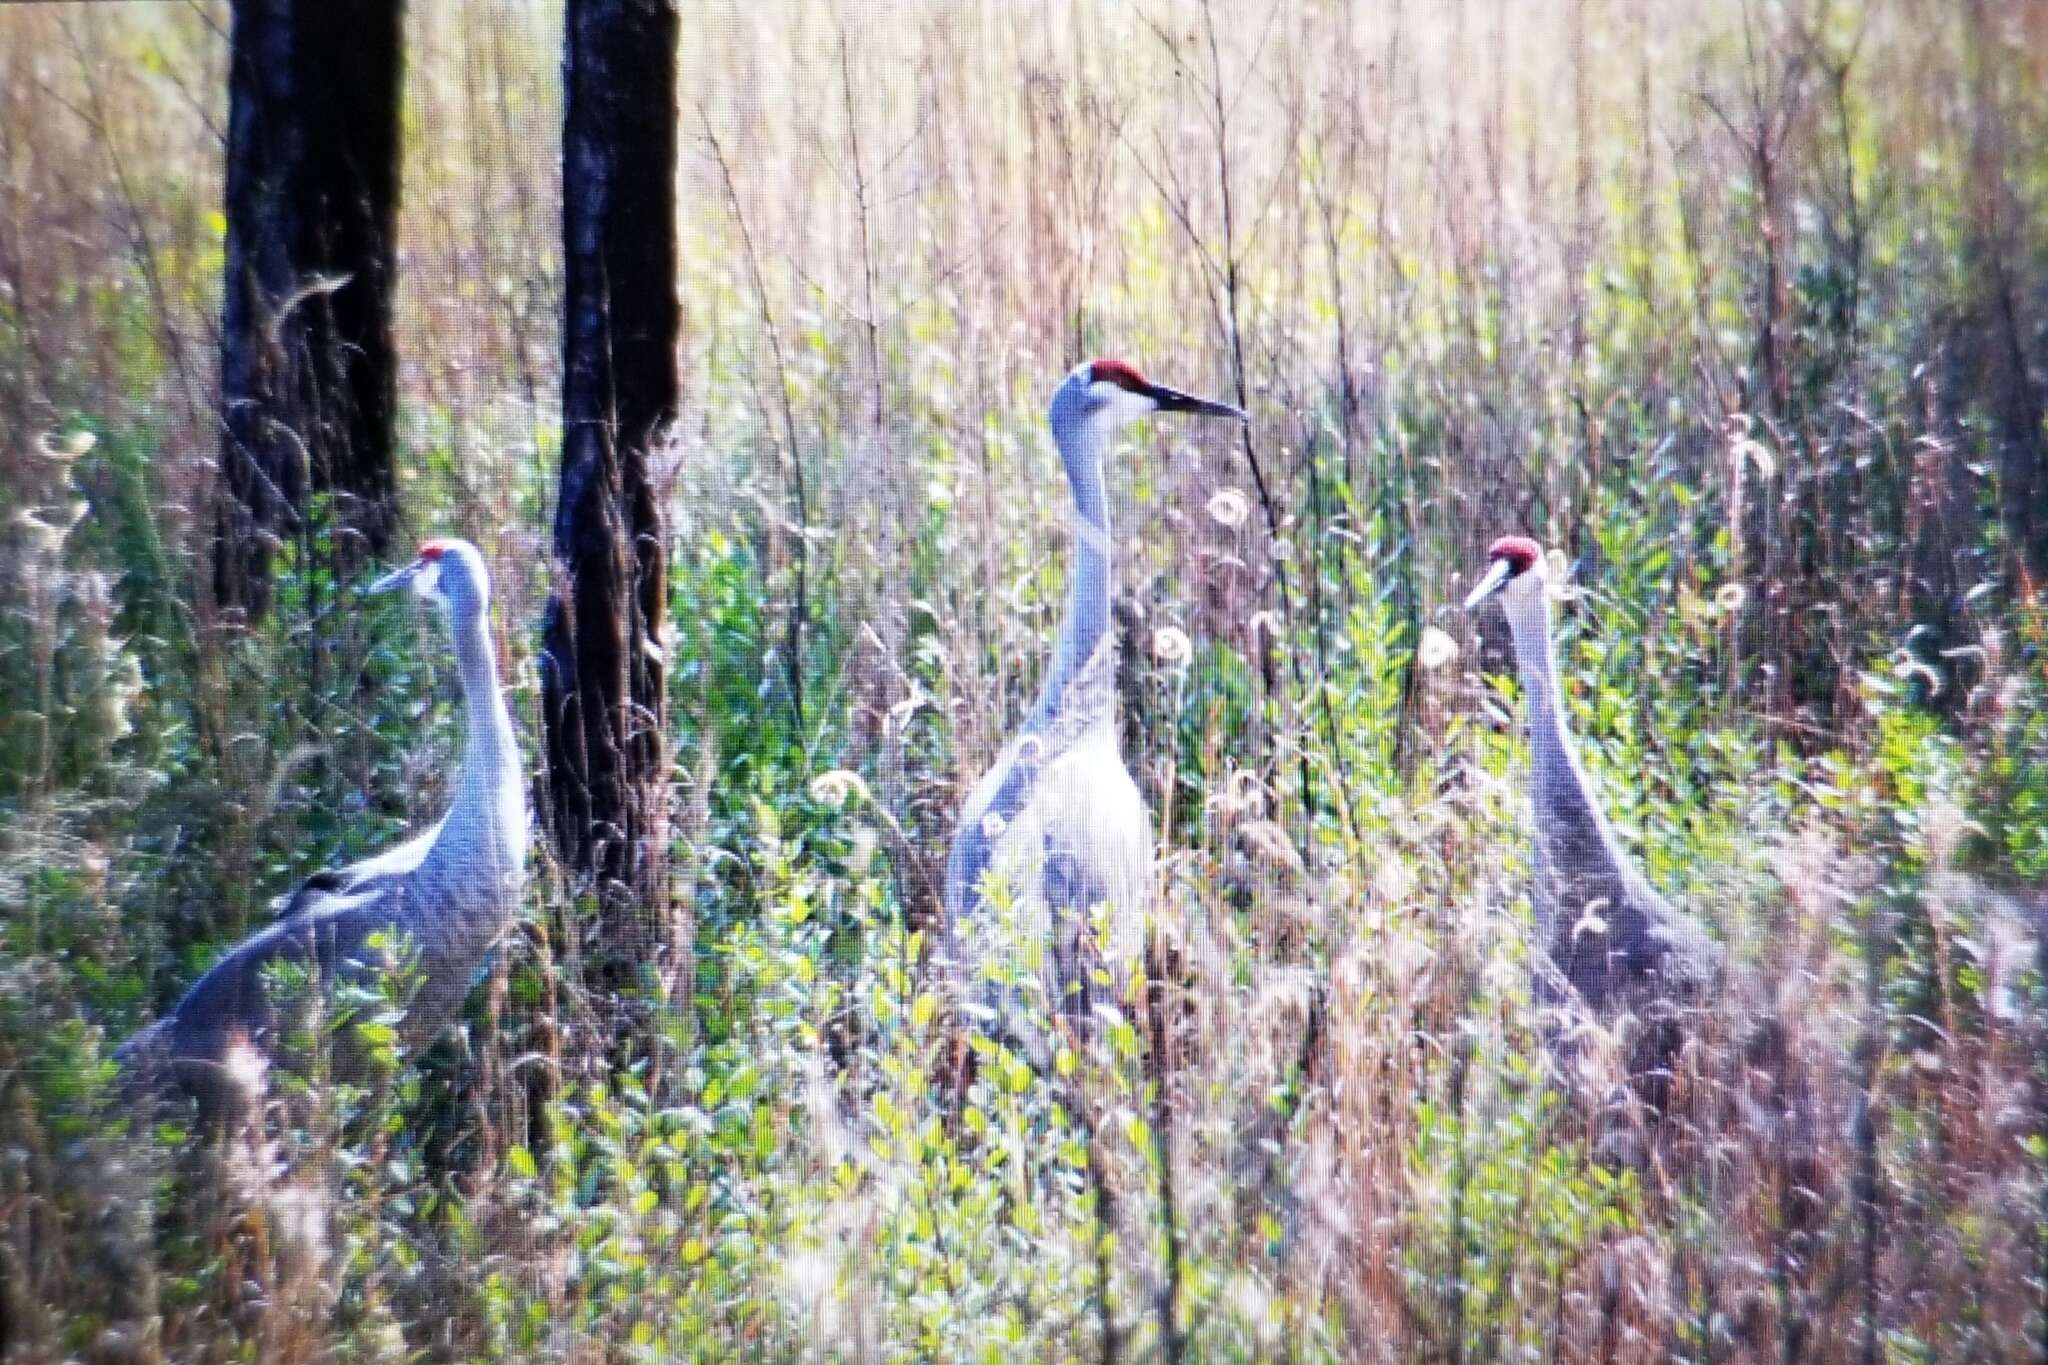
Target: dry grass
<point>1702,294</point>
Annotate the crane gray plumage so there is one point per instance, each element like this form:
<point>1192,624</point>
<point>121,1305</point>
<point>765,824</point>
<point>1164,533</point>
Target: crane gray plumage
<point>1058,817</point>
<point>453,889</point>
<point>1611,937</point>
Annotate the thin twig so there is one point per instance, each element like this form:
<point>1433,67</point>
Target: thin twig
<point>799,609</point>
<point>1168,1300</point>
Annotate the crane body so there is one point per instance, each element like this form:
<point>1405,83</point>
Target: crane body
<point>1059,820</point>
<point>453,889</point>
<point>1058,817</point>
<point>1612,939</point>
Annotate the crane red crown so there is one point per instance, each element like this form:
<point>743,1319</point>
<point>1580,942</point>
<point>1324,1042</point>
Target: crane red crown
<point>433,549</point>
<point>1518,551</point>
<point>1121,373</point>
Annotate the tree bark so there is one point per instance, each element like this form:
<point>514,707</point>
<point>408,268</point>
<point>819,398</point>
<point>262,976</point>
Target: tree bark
<point>308,367</point>
<point>602,659</point>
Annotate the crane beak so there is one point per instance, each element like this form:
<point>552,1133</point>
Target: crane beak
<point>397,578</point>
<point>1173,400</point>
<point>1497,575</point>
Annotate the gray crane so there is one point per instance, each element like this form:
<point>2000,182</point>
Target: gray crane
<point>1611,938</point>
<point>453,889</point>
<point>1058,817</point>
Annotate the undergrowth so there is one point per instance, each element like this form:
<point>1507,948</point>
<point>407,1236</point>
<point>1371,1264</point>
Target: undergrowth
<point>1713,303</point>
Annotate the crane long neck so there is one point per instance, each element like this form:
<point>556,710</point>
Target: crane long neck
<point>490,750</point>
<point>1553,755</point>
<point>467,882</point>
<point>1080,443</point>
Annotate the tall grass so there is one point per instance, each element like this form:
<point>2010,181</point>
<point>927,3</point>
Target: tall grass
<point>1740,305</point>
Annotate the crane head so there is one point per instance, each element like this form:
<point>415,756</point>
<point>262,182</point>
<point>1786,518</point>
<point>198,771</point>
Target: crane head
<point>447,571</point>
<point>1116,390</point>
<point>1513,560</point>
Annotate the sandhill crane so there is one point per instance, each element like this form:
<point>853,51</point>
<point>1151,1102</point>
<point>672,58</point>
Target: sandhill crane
<point>1058,817</point>
<point>453,888</point>
<point>1616,942</point>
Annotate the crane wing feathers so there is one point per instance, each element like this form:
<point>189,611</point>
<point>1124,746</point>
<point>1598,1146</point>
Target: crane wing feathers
<point>999,798</point>
<point>330,935</point>
<point>1607,930</point>
<point>395,862</point>
<point>1073,836</point>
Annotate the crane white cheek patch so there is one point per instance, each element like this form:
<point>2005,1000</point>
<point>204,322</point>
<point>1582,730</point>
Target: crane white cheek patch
<point>1118,404</point>
<point>428,581</point>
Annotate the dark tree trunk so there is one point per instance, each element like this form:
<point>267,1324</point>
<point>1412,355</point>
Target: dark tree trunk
<point>602,659</point>
<point>308,372</point>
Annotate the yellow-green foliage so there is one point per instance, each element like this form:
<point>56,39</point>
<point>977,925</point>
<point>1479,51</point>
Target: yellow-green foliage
<point>1719,299</point>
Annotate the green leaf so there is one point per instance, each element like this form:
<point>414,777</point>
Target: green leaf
<point>1139,1132</point>
<point>377,1035</point>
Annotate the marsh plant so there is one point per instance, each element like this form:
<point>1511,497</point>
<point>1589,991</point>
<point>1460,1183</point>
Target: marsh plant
<point>1739,307</point>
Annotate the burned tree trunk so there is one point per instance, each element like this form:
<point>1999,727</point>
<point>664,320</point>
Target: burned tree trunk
<point>308,370</point>
<point>602,661</point>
